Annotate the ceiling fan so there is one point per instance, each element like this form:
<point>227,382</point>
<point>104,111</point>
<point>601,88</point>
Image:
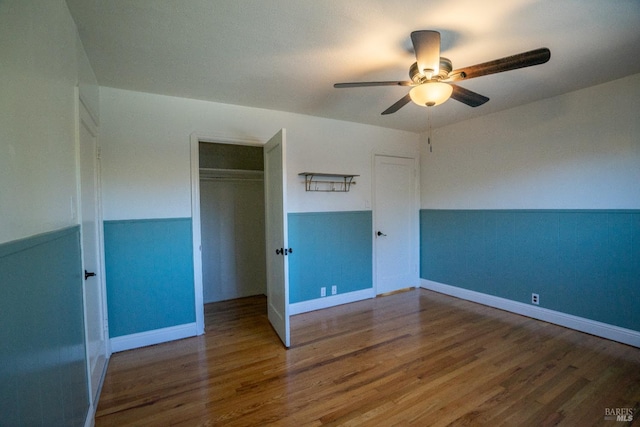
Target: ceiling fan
<point>432,76</point>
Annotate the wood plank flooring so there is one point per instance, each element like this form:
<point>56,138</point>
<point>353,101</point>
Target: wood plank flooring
<point>414,358</point>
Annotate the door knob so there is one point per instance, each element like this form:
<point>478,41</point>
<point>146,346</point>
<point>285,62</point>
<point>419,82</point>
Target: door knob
<point>88,274</point>
<point>380,233</point>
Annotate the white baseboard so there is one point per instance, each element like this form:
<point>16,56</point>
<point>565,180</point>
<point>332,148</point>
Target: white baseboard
<point>157,336</point>
<point>330,301</point>
<point>604,330</point>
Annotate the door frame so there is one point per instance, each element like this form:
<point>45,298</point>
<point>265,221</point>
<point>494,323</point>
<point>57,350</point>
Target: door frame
<point>415,242</point>
<point>196,227</point>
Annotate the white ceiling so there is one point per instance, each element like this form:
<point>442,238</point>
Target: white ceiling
<point>286,55</point>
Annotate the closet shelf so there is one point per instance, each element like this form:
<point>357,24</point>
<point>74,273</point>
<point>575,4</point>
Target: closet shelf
<point>216,174</point>
<point>328,182</point>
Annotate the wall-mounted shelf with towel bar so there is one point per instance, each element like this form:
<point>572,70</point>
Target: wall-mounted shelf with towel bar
<point>328,182</point>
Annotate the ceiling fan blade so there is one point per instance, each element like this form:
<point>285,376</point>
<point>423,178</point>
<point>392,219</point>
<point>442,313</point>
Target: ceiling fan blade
<point>513,62</point>
<point>426,44</point>
<point>398,105</point>
<point>467,96</point>
<point>366,84</point>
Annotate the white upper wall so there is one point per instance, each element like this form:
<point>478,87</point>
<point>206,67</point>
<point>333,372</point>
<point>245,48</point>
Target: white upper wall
<point>41,63</point>
<point>146,163</point>
<point>580,150</point>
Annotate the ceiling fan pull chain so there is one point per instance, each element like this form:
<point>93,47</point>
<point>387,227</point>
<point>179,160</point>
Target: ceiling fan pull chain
<point>429,130</point>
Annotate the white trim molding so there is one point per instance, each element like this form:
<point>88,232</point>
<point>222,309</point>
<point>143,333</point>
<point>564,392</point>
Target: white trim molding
<point>330,301</point>
<point>156,336</point>
<point>593,327</point>
<point>194,146</point>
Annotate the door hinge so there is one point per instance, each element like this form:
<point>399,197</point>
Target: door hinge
<point>98,153</point>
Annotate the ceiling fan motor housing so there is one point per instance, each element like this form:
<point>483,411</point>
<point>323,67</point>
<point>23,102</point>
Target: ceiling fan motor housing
<point>418,77</point>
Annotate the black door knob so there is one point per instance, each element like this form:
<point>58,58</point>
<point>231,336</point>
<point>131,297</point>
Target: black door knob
<point>88,274</point>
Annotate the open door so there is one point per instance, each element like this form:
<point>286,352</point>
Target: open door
<point>277,249</point>
<point>94,291</point>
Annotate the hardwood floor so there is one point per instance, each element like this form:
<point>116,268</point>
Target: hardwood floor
<point>415,358</point>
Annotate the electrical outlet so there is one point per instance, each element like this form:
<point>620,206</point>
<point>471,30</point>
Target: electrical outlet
<point>323,291</point>
<point>535,299</point>
<point>334,290</point>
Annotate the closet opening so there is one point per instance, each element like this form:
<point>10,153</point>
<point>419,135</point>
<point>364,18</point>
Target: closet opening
<point>232,221</point>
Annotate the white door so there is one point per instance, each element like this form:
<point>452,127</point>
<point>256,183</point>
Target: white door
<point>395,223</point>
<point>275,173</point>
<point>94,294</point>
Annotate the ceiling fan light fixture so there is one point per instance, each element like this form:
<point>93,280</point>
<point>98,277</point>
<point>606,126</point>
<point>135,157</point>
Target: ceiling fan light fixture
<point>431,93</point>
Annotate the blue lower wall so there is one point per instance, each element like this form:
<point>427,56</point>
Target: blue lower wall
<point>581,262</point>
<point>43,377</point>
<point>149,274</point>
<point>329,248</point>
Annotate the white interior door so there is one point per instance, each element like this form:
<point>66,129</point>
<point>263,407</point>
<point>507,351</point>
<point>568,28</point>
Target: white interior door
<point>91,225</point>
<point>396,223</point>
<point>277,249</point>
